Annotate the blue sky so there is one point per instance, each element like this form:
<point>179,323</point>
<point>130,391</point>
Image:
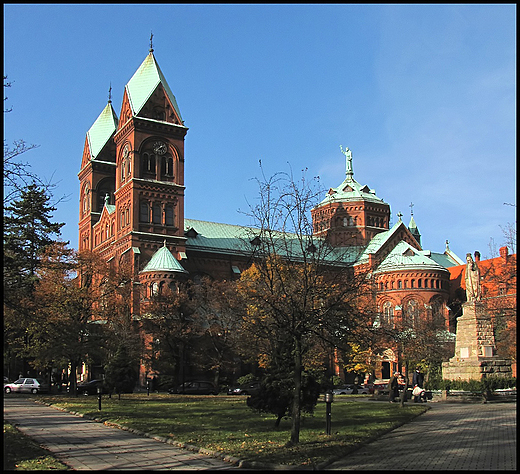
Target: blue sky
<point>423,95</point>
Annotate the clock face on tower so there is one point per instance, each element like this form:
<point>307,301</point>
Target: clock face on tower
<point>159,148</point>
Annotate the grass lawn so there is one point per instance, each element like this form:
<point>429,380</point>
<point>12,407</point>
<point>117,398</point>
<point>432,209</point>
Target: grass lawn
<point>225,424</point>
<point>23,454</point>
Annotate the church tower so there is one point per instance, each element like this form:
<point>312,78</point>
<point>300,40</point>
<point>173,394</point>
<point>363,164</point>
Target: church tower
<point>149,181</point>
<point>132,175</point>
<point>97,174</point>
<point>351,214</point>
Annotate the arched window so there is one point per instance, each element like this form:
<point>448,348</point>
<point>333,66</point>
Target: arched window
<point>148,163</point>
<point>168,166</point>
<point>419,283</point>
<point>144,212</point>
<point>437,314</point>
<point>399,284</point>
<point>411,313</point>
<point>85,206</point>
<point>388,314</point>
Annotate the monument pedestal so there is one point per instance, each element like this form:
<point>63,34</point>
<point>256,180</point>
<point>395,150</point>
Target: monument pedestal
<point>475,351</point>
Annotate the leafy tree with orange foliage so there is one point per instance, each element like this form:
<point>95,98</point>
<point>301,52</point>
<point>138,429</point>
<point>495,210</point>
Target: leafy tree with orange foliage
<point>62,332</point>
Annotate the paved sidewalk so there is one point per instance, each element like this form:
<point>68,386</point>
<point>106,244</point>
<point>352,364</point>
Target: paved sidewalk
<point>88,445</point>
<point>450,436</point>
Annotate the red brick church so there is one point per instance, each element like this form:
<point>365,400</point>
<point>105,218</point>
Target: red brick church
<point>132,213</point>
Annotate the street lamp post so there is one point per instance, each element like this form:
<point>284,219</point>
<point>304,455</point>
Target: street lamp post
<point>99,398</point>
<point>329,398</point>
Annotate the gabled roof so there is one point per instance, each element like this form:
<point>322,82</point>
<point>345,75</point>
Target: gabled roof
<point>447,259</point>
<point>163,260</point>
<point>405,257</point>
<point>380,239</point>
<point>143,84</point>
<point>102,130</point>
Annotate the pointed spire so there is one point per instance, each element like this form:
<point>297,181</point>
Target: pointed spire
<point>348,156</point>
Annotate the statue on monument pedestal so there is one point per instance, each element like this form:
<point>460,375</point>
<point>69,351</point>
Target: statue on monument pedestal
<point>473,290</point>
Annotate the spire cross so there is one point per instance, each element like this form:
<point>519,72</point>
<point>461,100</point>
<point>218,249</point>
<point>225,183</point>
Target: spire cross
<point>110,94</point>
<point>151,42</point>
<point>348,156</point>
<point>399,215</point>
<point>411,208</point>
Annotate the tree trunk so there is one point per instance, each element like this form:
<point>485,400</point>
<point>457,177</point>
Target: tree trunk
<point>73,378</point>
<point>296,408</point>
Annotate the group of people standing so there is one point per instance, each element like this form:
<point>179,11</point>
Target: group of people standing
<point>419,394</point>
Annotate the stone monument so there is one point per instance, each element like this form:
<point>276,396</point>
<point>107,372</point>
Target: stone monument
<point>475,350</point>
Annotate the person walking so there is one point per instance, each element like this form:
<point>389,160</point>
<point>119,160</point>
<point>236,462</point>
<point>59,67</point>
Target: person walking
<point>393,388</point>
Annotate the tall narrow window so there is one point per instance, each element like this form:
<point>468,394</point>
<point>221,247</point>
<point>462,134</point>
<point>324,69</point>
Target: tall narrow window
<point>156,213</point>
<point>144,212</point>
<point>168,166</point>
<point>388,314</point>
<point>169,215</point>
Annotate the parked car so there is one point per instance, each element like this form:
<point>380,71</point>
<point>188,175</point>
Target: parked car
<point>251,388</point>
<point>351,389</point>
<point>29,385</point>
<point>195,387</point>
<point>90,388</point>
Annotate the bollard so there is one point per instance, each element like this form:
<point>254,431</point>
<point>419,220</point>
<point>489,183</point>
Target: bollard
<point>99,398</point>
<point>329,398</point>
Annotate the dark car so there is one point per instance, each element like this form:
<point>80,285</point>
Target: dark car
<point>246,389</point>
<point>196,387</point>
<point>351,389</point>
<point>91,388</point>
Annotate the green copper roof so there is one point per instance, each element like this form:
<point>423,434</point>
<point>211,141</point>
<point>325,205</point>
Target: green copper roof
<point>163,260</point>
<point>447,259</point>
<point>102,130</point>
<point>237,240</point>
<point>144,82</point>
<point>405,257</point>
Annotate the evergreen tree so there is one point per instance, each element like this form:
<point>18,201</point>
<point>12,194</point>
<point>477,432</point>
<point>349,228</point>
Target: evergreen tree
<point>28,232</point>
<point>121,372</point>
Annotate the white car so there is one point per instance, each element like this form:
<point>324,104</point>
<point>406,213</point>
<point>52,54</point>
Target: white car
<point>351,389</point>
<point>29,385</point>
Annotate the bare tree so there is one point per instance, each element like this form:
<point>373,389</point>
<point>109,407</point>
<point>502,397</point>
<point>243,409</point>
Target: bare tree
<point>299,288</point>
